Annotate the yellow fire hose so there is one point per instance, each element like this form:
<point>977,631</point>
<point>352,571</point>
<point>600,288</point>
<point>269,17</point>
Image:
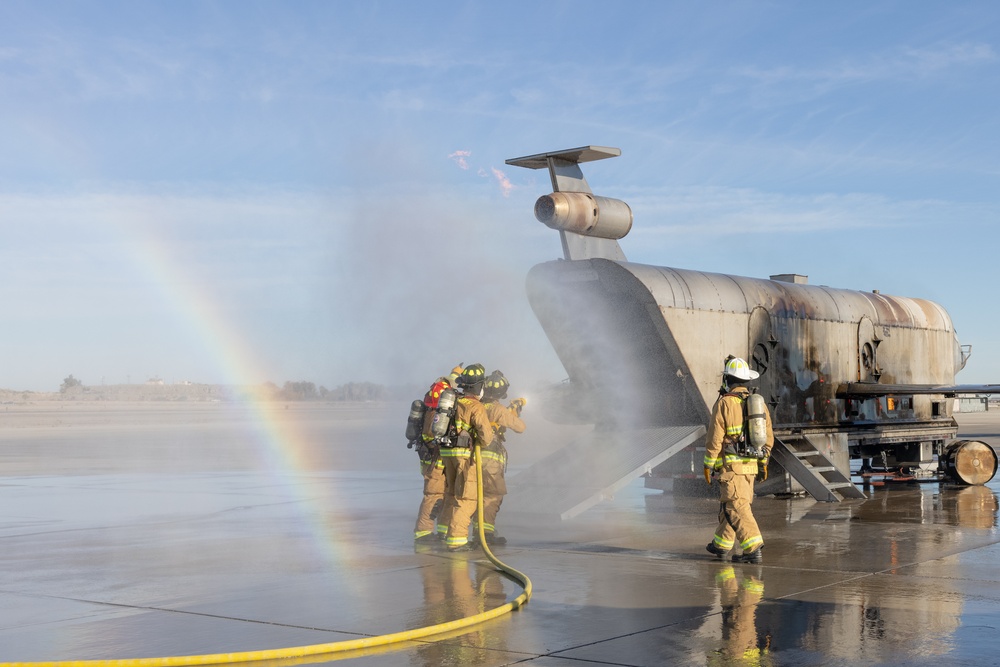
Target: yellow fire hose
<point>333,647</point>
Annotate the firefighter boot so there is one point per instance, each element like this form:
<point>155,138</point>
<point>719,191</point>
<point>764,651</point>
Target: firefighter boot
<point>715,551</point>
<point>756,556</point>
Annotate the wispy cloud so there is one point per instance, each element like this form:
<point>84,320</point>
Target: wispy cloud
<point>903,63</point>
<point>502,181</point>
<point>459,158</point>
<point>928,61</point>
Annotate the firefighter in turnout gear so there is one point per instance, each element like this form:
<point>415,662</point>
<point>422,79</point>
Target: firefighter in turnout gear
<point>494,461</point>
<point>730,454</point>
<point>431,466</point>
<point>472,426</point>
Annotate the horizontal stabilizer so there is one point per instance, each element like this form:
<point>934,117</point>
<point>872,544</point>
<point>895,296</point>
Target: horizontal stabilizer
<point>593,468</point>
<point>869,389</point>
<point>575,155</point>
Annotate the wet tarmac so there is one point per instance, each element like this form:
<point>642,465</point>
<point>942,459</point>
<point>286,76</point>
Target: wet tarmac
<point>148,531</point>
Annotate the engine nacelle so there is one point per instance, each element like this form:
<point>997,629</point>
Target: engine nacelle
<point>585,214</point>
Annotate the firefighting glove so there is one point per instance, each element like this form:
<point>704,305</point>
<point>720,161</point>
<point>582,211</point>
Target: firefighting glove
<point>518,404</point>
<point>761,470</point>
<point>708,475</point>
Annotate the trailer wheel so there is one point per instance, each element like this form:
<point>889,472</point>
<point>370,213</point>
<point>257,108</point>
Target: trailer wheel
<point>969,462</point>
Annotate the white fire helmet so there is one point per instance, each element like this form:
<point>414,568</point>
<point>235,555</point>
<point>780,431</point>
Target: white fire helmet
<point>740,369</point>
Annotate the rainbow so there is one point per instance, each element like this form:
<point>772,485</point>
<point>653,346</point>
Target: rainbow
<point>282,444</point>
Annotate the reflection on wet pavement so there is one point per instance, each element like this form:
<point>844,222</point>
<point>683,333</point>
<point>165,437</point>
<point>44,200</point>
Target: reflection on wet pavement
<point>230,547</point>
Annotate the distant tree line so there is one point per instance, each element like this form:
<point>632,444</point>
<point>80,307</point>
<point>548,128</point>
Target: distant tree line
<point>355,391</point>
<point>73,388</point>
<point>308,391</point>
<point>352,391</point>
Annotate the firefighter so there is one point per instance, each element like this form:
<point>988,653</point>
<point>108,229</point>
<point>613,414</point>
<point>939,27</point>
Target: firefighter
<point>472,427</point>
<point>432,468</point>
<point>494,461</point>
<point>729,453</point>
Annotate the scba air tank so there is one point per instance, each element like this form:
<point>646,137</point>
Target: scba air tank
<point>415,421</point>
<point>443,413</point>
<point>756,422</point>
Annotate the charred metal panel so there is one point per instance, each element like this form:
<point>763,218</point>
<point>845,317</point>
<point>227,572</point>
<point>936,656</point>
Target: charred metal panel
<point>813,339</point>
<point>764,354</point>
<point>868,342</point>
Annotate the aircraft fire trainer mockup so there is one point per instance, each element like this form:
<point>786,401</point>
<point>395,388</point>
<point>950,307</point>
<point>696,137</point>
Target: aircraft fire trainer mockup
<point>846,374</point>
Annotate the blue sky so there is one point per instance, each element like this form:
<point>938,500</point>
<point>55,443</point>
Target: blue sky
<point>250,191</point>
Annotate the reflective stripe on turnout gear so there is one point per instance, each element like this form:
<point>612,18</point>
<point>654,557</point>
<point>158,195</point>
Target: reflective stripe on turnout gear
<point>734,458</point>
<point>495,456</point>
<point>455,452</point>
<point>729,459</point>
<point>723,543</point>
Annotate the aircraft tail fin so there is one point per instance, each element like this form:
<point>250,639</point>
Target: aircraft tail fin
<point>589,226</point>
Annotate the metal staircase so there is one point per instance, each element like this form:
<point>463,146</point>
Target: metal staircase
<point>814,470</point>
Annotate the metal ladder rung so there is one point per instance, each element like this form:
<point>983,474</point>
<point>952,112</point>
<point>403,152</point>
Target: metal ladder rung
<point>838,485</point>
<point>823,468</point>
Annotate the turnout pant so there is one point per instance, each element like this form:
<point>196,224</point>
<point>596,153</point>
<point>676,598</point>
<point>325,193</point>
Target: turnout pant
<point>460,493</point>
<point>491,506</point>
<point>494,487</point>
<point>735,517</point>
<point>433,492</point>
